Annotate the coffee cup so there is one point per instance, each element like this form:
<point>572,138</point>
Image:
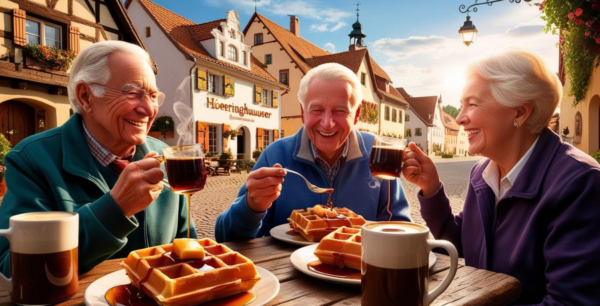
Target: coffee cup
<point>43,257</point>
<point>395,264</point>
<point>385,160</point>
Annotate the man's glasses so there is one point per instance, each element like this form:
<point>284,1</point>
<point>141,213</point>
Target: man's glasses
<point>135,96</point>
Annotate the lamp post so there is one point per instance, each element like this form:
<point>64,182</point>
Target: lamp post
<point>468,30</point>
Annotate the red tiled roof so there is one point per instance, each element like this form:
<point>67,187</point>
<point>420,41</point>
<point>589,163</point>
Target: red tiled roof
<point>298,48</point>
<point>403,92</point>
<point>350,59</point>
<point>397,96</point>
<point>378,71</point>
<point>202,31</point>
<point>424,107</point>
<point>449,121</point>
<point>178,28</point>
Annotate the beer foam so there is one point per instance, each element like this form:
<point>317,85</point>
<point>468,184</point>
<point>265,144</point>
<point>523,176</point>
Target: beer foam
<point>43,216</point>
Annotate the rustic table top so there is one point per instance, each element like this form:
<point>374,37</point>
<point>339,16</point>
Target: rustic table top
<point>470,286</point>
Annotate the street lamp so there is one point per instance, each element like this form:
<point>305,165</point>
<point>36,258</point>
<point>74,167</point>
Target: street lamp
<point>468,30</point>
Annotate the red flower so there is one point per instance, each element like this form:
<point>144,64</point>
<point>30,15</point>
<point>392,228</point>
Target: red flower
<point>589,23</point>
<point>578,12</point>
<point>578,21</point>
<point>571,15</point>
<point>595,6</point>
<point>598,41</point>
<point>587,33</point>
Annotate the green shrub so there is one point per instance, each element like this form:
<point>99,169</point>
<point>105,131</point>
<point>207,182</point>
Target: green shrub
<point>596,156</point>
<point>447,155</point>
<point>226,154</point>
<point>256,154</point>
<point>163,124</point>
<point>4,148</point>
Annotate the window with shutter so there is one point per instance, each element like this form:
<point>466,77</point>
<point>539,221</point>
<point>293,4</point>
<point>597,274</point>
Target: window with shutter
<point>19,35</point>
<point>202,83</point>
<point>275,95</point>
<point>275,135</point>
<point>259,138</point>
<point>202,135</point>
<point>74,39</point>
<point>257,94</point>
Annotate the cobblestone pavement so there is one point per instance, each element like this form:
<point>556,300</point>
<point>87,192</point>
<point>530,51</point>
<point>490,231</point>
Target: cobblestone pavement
<point>220,191</point>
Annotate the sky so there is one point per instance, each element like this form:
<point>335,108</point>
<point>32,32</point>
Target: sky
<point>416,42</point>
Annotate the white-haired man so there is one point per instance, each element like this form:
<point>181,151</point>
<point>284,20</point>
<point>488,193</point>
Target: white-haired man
<point>99,163</point>
<point>328,151</point>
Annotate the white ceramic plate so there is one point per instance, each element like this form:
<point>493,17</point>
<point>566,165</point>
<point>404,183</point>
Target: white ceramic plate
<point>266,289</point>
<point>280,233</point>
<point>302,256</point>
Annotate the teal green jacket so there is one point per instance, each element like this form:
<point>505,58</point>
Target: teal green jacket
<point>55,171</point>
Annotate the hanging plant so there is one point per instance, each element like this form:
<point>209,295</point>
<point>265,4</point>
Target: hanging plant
<point>163,124</point>
<point>579,24</point>
<point>234,134</point>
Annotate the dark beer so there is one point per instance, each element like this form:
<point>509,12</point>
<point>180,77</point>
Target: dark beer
<point>381,286</point>
<point>44,278</point>
<point>386,162</point>
<point>186,174</point>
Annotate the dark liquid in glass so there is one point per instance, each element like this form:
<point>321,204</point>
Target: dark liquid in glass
<point>186,174</point>
<point>381,286</point>
<point>386,162</point>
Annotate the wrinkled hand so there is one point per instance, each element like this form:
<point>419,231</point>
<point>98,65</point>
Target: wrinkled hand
<point>420,170</point>
<point>263,187</point>
<point>138,185</point>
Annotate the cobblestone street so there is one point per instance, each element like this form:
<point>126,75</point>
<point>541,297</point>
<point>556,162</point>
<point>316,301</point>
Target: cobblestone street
<point>221,190</point>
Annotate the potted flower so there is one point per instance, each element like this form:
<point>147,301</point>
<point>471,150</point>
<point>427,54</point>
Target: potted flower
<point>234,134</point>
<point>4,148</point>
<point>47,57</point>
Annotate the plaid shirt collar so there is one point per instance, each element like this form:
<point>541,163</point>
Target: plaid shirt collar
<point>332,171</point>
<point>100,153</point>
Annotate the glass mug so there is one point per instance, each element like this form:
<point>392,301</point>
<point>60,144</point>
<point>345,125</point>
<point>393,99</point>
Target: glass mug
<point>386,157</point>
<point>395,264</point>
<point>43,257</point>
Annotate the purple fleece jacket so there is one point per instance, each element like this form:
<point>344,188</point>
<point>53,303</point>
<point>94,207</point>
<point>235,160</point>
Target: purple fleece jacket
<point>545,231</point>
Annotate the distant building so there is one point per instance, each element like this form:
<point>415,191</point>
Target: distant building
<point>210,68</point>
<point>423,124</point>
<point>287,55</point>
<point>33,93</point>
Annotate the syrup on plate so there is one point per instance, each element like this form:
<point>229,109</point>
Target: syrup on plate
<point>318,267</point>
<point>129,295</point>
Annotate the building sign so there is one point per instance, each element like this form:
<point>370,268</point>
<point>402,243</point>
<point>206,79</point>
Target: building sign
<point>241,111</point>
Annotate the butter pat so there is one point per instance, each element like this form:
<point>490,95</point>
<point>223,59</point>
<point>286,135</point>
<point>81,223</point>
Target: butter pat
<point>188,249</point>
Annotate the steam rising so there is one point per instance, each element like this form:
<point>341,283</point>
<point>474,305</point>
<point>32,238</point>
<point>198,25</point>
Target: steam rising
<point>184,129</point>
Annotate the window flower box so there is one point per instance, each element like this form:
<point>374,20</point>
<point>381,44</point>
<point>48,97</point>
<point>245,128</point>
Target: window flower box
<point>47,58</point>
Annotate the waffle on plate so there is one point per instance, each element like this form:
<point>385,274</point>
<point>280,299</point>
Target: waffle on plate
<point>190,272</point>
<point>314,223</point>
<point>341,248</point>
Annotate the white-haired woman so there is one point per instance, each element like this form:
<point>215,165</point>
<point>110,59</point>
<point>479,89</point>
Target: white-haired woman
<point>531,209</point>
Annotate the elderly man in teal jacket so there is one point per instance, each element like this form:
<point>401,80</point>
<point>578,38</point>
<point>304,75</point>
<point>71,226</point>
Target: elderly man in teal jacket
<point>99,163</point>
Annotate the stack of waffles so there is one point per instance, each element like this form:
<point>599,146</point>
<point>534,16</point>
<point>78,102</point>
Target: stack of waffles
<point>190,272</point>
<point>341,248</point>
<point>316,222</point>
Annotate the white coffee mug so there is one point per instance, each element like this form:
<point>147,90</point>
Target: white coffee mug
<point>43,257</point>
<point>395,264</point>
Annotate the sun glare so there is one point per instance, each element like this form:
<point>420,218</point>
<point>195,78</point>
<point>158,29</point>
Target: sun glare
<point>455,78</point>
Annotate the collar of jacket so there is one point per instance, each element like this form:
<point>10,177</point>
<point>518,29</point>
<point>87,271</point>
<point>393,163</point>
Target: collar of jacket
<point>77,157</point>
<point>356,146</point>
<point>529,181</point>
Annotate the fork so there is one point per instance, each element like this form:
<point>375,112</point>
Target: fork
<point>312,187</point>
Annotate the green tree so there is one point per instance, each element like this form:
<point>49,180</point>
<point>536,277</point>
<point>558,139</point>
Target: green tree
<point>451,110</point>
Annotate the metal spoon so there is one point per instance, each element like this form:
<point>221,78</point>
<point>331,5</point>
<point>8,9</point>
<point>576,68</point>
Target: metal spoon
<point>312,187</point>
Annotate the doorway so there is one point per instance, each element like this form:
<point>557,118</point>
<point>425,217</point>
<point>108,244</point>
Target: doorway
<point>241,149</point>
<point>17,120</point>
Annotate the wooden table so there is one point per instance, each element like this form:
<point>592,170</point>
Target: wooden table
<point>470,286</point>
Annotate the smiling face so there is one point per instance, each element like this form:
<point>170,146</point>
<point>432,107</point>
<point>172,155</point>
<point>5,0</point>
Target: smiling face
<point>489,124</point>
<point>328,117</point>
<point>114,122</point>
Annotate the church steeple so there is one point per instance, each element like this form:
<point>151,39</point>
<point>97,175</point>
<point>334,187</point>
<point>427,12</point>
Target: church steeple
<point>356,36</point>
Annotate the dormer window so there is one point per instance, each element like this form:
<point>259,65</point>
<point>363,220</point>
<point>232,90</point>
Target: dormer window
<point>232,53</point>
<point>232,33</point>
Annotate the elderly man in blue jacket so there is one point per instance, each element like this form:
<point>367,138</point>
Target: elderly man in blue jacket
<point>328,151</point>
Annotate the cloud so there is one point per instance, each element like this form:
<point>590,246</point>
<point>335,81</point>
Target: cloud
<point>403,48</point>
<point>329,47</point>
<point>525,30</point>
<point>325,27</point>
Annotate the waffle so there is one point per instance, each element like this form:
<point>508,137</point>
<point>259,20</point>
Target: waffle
<point>341,248</point>
<point>174,282</point>
<point>314,223</point>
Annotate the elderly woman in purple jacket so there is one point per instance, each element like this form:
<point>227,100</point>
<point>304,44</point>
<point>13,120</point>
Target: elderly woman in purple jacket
<point>532,208</point>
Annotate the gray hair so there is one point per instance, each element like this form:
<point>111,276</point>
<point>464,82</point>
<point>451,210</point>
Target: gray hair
<point>518,76</point>
<point>90,66</point>
<point>332,71</point>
